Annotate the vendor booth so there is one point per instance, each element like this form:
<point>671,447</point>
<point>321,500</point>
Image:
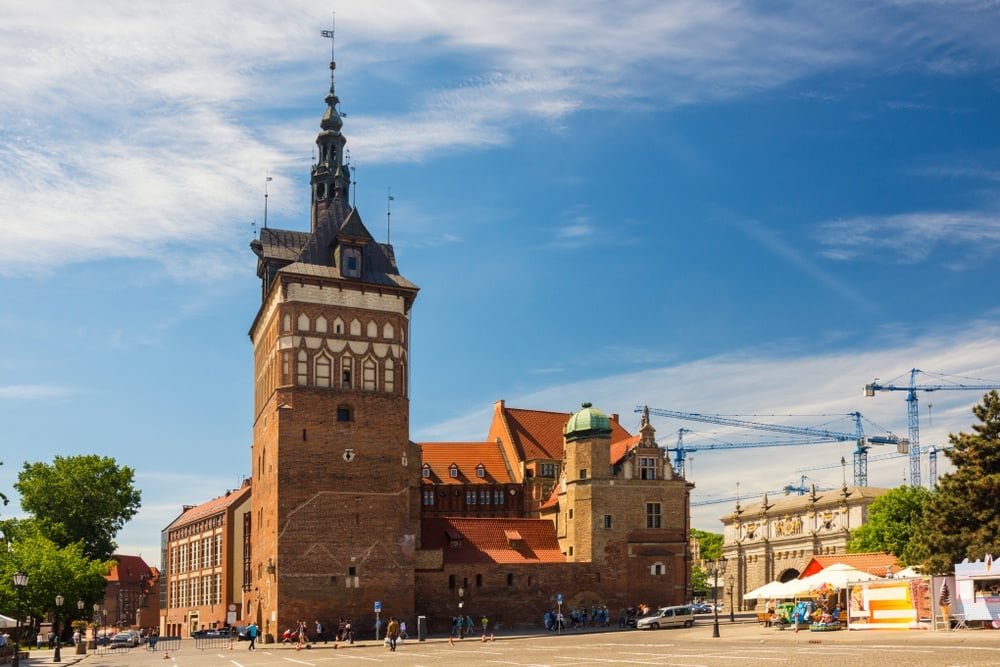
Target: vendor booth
<point>977,593</point>
<point>890,604</point>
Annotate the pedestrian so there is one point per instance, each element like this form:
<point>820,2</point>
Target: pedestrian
<point>319,632</point>
<point>154,636</point>
<point>392,633</point>
<point>252,635</point>
<point>402,630</point>
<point>302,638</point>
<point>341,629</point>
<point>485,622</point>
<point>349,632</point>
<point>39,640</point>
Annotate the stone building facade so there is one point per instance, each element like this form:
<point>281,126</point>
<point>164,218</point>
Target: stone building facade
<point>203,555</point>
<point>775,539</point>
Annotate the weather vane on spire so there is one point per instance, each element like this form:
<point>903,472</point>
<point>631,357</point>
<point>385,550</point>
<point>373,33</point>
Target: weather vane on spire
<point>329,35</point>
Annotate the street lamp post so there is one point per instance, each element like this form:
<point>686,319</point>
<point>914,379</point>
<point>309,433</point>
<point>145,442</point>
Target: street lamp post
<point>57,657</point>
<point>20,583</point>
<point>81,643</point>
<point>732,609</point>
<point>97,618</point>
<point>715,570</point>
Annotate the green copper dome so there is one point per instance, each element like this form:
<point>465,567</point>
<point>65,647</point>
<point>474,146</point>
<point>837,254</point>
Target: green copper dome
<point>587,423</point>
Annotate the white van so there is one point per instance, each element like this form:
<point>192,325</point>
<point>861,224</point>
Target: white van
<point>667,617</point>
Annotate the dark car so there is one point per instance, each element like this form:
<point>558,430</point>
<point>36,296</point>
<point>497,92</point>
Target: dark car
<point>209,632</point>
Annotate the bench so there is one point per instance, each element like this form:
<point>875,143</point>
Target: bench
<point>763,617</point>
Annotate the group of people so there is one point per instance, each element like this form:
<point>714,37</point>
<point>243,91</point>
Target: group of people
<point>465,625</point>
<point>597,615</point>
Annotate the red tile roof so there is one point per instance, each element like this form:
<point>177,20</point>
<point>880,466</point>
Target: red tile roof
<point>537,434</point>
<point>491,541</point>
<point>467,456</point>
<point>622,447</point>
<point>872,563</point>
<point>132,569</point>
<point>212,507</point>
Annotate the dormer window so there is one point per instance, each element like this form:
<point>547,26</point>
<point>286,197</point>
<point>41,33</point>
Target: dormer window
<point>481,471</point>
<point>425,471</point>
<point>453,471</point>
<point>351,262</point>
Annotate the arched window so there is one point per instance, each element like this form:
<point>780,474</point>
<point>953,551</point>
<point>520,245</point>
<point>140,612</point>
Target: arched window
<point>368,372</point>
<point>323,368</point>
<point>346,367</point>
<point>389,378</point>
<point>387,330</point>
<point>303,323</point>
<point>321,324</point>
<point>372,329</point>
<point>302,368</point>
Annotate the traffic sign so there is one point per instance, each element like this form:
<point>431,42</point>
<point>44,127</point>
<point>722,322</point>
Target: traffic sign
<point>378,606</point>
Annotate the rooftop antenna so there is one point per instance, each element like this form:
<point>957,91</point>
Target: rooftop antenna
<point>388,213</point>
<point>267,179</point>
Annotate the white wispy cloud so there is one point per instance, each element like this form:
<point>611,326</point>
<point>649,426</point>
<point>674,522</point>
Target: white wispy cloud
<point>909,238</point>
<point>34,392</point>
<point>140,129</point>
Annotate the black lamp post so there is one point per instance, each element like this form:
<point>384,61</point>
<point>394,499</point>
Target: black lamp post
<point>55,630</point>
<point>716,569</point>
<point>97,619</point>
<point>732,609</point>
<point>20,583</point>
<point>81,644</point>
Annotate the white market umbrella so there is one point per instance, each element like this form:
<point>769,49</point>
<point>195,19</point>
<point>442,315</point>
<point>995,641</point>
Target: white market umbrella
<point>773,589</point>
<point>837,575</point>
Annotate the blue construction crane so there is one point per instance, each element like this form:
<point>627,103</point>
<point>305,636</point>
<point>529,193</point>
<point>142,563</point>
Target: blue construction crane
<point>680,451</point>
<point>913,414</point>
<point>809,435</point>
<point>799,489</point>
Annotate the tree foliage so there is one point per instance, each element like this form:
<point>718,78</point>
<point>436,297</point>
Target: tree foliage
<point>892,520</point>
<point>710,548</point>
<point>85,498</point>
<point>52,569</point>
<point>961,519</point>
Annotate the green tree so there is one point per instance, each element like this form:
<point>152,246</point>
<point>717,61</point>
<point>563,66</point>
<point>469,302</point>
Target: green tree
<point>52,570</point>
<point>85,498</point>
<point>960,519</point>
<point>892,521</point>
<point>710,548</point>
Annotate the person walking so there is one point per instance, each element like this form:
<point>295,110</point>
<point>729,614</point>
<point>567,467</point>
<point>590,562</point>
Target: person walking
<point>402,630</point>
<point>319,632</point>
<point>392,633</point>
<point>252,634</point>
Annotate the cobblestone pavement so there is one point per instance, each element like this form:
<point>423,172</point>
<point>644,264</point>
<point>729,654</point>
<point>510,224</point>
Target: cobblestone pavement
<point>741,644</point>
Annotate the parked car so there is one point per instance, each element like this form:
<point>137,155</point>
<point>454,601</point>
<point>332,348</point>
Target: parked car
<point>667,617</point>
<point>210,632</point>
<point>702,608</point>
<point>129,638</point>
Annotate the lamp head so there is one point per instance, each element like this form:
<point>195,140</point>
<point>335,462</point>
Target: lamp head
<point>59,600</point>
<point>20,578</point>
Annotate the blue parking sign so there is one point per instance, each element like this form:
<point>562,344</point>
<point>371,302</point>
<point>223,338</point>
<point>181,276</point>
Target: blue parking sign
<point>378,606</point>
<point>559,598</point>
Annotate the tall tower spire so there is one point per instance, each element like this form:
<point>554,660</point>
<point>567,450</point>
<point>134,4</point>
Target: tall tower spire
<point>330,177</point>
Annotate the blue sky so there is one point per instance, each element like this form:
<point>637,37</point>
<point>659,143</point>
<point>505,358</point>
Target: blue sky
<point>719,207</point>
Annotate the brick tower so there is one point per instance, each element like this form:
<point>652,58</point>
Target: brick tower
<point>335,520</point>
